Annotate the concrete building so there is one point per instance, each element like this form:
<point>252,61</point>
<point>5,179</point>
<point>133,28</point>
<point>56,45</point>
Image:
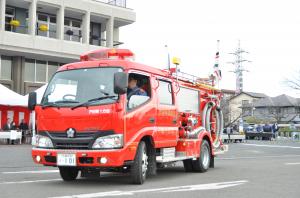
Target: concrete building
<point>37,36</point>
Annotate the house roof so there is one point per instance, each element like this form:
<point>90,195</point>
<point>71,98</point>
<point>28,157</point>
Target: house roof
<point>228,91</point>
<point>278,101</point>
<point>256,95</point>
<point>252,94</point>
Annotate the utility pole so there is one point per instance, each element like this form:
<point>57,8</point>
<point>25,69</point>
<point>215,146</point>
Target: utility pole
<point>239,68</point>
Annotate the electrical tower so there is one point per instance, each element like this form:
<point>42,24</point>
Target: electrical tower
<point>239,68</point>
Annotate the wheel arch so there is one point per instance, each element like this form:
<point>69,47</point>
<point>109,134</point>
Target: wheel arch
<point>148,139</point>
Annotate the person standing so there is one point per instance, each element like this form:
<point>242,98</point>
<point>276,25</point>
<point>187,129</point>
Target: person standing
<point>24,128</point>
<point>275,130</point>
<point>8,127</point>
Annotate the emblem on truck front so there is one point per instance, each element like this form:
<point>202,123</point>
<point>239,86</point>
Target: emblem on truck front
<point>71,133</point>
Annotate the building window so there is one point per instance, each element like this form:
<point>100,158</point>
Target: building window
<point>52,68</point>
<point>165,93</point>
<point>245,102</point>
<point>9,16</point>
<point>73,30</point>
<point>29,70</point>
<point>39,71</point>
<point>5,68</point>
<point>95,35</point>
<point>50,22</point>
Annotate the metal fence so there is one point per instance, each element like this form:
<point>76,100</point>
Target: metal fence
<point>120,3</point>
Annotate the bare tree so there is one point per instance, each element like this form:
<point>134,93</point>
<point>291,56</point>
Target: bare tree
<point>227,112</point>
<point>294,82</point>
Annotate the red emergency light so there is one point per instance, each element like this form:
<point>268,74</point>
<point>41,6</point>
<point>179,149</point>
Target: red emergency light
<point>99,54</point>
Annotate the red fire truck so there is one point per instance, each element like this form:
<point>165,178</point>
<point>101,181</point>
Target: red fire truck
<point>89,119</point>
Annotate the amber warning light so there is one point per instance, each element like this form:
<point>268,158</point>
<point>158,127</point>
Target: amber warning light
<point>114,54</point>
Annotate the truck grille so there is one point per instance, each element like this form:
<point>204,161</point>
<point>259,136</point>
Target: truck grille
<point>81,141</point>
<point>78,146</point>
<point>64,135</point>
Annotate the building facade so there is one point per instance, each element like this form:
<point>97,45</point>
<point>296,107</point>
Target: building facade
<point>37,36</point>
<point>235,104</point>
<point>282,109</point>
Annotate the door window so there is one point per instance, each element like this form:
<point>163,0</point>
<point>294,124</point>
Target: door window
<point>165,93</point>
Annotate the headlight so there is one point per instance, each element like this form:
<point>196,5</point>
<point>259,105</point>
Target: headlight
<point>42,141</point>
<point>107,142</point>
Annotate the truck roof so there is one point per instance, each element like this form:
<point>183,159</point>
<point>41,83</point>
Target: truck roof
<point>125,64</point>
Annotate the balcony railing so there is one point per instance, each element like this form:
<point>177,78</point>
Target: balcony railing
<point>119,3</point>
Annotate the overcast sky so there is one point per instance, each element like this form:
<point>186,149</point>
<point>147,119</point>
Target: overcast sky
<point>269,30</point>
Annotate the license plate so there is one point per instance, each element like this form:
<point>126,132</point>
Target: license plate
<point>66,160</point>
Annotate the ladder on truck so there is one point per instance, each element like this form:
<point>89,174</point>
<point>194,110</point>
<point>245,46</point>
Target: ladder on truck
<point>193,79</point>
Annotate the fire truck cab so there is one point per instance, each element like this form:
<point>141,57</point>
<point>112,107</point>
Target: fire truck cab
<point>108,113</point>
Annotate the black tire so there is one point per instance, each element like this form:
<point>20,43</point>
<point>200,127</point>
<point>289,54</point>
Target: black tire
<point>203,162</point>
<point>188,165</point>
<point>137,172</point>
<point>152,165</point>
<point>212,162</point>
<point>68,173</point>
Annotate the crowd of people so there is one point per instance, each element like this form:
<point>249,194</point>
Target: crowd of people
<point>11,125</point>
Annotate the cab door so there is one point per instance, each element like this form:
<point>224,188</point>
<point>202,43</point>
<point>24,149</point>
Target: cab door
<point>141,119</point>
<point>167,120</point>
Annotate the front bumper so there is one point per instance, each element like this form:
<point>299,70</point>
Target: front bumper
<point>86,158</point>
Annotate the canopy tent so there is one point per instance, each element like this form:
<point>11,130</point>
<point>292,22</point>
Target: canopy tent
<point>39,94</point>
<point>11,98</point>
<point>14,105</point>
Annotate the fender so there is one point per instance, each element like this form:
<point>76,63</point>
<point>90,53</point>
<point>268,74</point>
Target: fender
<point>206,134</point>
<point>133,143</point>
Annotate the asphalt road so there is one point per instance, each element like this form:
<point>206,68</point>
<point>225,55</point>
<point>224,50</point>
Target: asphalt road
<point>253,169</point>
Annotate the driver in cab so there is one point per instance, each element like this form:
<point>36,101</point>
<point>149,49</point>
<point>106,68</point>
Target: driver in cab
<point>133,89</point>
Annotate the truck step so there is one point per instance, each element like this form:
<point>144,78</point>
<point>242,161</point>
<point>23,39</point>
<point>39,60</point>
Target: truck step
<point>160,159</point>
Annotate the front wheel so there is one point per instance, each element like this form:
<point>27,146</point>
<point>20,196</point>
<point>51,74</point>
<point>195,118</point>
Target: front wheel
<point>139,167</point>
<point>68,173</point>
<point>203,162</point>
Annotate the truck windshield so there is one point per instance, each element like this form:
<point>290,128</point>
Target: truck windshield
<point>73,87</point>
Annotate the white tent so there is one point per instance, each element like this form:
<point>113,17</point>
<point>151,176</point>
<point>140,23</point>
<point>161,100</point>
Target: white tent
<point>11,98</point>
<point>39,94</point>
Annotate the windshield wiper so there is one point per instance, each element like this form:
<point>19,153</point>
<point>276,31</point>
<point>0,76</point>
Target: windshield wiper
<point>66,101</point>
<point>55,104</point>
<point>52,104</point>
<point>93,100</point>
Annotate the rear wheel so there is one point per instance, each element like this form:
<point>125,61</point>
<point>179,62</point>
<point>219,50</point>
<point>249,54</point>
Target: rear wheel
<point>203,162</point>
<point>68,173</point>
<point>139,167</point>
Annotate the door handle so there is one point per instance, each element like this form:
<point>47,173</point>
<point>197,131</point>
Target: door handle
<point>151,120</point>
<point>174,121</point>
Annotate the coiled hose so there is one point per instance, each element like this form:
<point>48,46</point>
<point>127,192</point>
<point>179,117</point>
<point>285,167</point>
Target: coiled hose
<point>206,121</point>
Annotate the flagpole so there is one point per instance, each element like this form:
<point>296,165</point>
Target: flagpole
<point>218,49</point>
<point>217,71</point>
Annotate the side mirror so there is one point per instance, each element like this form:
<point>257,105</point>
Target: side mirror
<point>32,101</point>
<point>120,83</point>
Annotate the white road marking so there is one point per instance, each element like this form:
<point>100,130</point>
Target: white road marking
<point>256,157</point>
<point>211,186</point>
<point>27,182</point>
<point>293,163</point>
<point>272,146</point>
<point>32,172</point>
